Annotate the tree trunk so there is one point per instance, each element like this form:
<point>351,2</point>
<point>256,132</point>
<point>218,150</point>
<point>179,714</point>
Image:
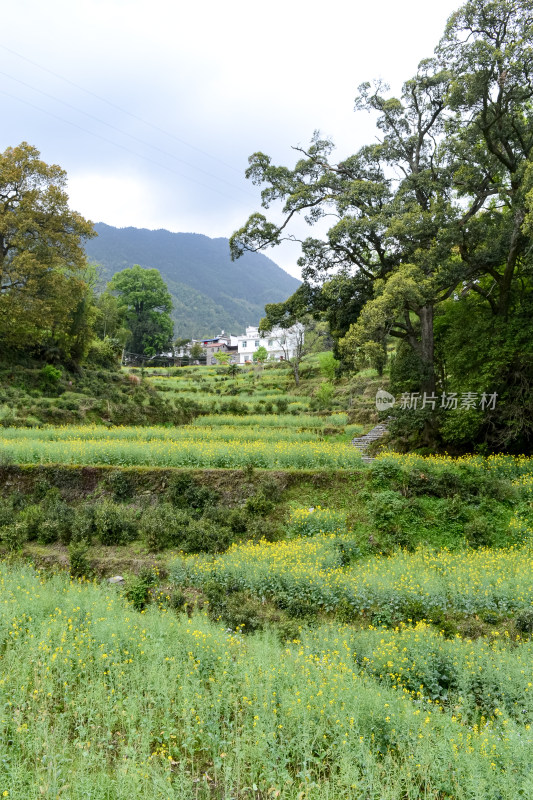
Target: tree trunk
<point>296,372</point>
<point>427,349</point>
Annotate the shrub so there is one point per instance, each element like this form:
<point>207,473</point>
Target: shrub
<point>328,365</point>
<point>236,407</point>
<point>164,526</point>
<point>31,518</point>
<point>524,621</point>
<point>478,532</point>
<point>138,592</point>
<point>184,492</point>
<point>259,504</point>
<point>384,509</point>
<point>114,524</point>
<point>49,531</point>
<point>79,564</point>
<point>324,395</point>
<point>50,378</point>
<point>13,536</point>
<point>204,536</point>
<point>120,484</point>
<point>84,527</point>
<point>102,353</point>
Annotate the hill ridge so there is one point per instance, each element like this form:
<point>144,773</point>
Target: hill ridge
<point>210,292</point>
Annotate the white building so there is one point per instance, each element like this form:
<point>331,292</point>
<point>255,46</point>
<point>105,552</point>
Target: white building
<point>280,344</point>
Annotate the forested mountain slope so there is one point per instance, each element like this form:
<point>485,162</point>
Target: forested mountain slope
<point>210,292</point>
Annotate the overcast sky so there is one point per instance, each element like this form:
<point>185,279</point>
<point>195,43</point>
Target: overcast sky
<point>153,108</point>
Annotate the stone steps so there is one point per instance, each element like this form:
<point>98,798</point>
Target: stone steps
<point>363,442</point>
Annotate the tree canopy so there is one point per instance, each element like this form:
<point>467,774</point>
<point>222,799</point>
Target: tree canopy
<point>432,217</point>
<point>44,295</point>
<point>146,302</point>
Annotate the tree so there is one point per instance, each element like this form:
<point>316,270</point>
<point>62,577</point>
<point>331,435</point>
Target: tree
<point>286,316</point>
<point>197,351</point>
<point>146,302</point>
<point>222,358</point>
<point>260,355</point>
<point>109,316</point>
<point>437,209</point>
<point>44,298</point>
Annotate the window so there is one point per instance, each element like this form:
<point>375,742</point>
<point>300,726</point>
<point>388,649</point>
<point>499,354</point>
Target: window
<point>271,342</point>
<point>256,343</point>
<point>244,345</point>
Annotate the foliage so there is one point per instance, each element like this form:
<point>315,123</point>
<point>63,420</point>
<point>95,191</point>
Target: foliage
<point>114,524</point>
<point>324,395</point>
<point>146,303</point>
<point>197,351</point>
<point>342,722</point>
<point>44,299</point>
<point>260,355</point>
<point>79,564</point>
<point>438,208</point>
<point>328,365</point>
<point>138,590</point>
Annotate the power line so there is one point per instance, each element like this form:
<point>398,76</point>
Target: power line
<point>125,133</point>
<point>119,108</point>
<point>116,144</point>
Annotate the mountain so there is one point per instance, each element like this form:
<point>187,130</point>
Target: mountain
<point>210,292</point>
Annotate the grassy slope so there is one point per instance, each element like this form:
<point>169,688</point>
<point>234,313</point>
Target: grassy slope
<point>92,395</point>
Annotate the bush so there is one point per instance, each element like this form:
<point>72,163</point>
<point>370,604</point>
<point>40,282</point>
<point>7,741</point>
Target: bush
<point>478,532</point>
<point>184,492</point>
<point>323,396</point>
<point>84,524</point>
<point>328,365</point>
<point>384,511</point>
<point>120,484</point>
<point>259,504</point>
<point>204,536</point>
<point>164,526</point>
<point>114,524</point>
<point>13,536</point>
<point>31,518</point>
<point>49,531</point>
<point>79,565</point>
<point>524,621</point>
<point>236,407</point>
<point>50,378</point>
<point>138,592</point>
<point>102,353</point>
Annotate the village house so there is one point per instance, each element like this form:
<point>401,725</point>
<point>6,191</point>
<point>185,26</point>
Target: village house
<point>279,344</point>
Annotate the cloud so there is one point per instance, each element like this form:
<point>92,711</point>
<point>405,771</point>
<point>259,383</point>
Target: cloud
<point>153,108</point>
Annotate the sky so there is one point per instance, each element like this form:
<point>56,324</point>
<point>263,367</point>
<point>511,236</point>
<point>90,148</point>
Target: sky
<point>153,108</point>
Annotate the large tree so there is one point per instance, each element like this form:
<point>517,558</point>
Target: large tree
<point>146,302</point>
<point>435,209</point>
<point>44,298</point>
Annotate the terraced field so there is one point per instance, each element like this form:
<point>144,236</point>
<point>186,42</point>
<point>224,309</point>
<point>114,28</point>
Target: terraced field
<point>298,626</point>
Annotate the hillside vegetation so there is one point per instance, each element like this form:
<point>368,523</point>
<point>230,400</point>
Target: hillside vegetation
<point>209,292</point>
<point>293,623</point>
